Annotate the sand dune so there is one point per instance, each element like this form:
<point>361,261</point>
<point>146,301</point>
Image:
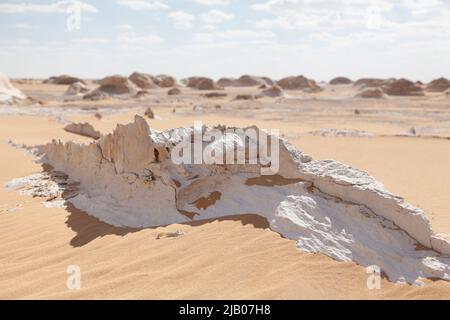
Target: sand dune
<point>326,207</point>
<point>38,245</point>
<point>40,242</point>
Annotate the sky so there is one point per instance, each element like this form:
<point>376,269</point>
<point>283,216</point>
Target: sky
<point>320,39</point>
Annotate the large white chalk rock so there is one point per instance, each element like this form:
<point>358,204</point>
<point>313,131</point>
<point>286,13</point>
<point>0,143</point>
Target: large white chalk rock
<point>128,178</point>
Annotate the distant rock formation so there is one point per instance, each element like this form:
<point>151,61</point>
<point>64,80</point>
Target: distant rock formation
<point>83,129</point>
<point>201,83</point>
<point>245,81</point>
<point>273,92</point>
<point>63,80</point>
<point>142,80</point>
<point>249,81</point>
<point>340,80</point>
<point>373,93</point>
<point>403,87</point>
<point>96,95</point>
<point>8,93</point>
<point>142,94</point>
<point>370,83</point>
<point>226,82</point>
<point>76,89</point>
<point>149,113</point>
<point>299,83</point>
<point>174,92</point>
<point>117,85</point>
<point>268,81</point>
<point>438,85</point>
<point>165,81</point>
<point>112,86</point>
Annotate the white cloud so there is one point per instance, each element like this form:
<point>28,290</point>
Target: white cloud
<point>216,16</point>
<point>90,40</point>
<point>55,7</point>
<point>342,14</point>
<point>181,19</point>
<point>234,35</point>
<point>321,38</point>
<point>209,27</point>
<point>134,38</point>
<point>304,14</point>
<point>213,2</point>
<point>245,34</point>
<point>125,27</point>
<point>22,26</point>
<point>143,4</point>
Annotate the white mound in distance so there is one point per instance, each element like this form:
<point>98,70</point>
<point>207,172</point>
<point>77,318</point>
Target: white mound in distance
<point>8,93</point>
<point>127,178</point>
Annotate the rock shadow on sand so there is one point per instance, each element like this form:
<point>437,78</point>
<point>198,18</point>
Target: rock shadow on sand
<point>89,228</point>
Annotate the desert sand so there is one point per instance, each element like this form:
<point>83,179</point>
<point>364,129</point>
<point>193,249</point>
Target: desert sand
<point>401,141</point>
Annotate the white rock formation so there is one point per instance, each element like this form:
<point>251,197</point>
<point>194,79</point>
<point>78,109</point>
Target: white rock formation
<point>8,93</point>
<point>76,89</point>
<point>127,178</point>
